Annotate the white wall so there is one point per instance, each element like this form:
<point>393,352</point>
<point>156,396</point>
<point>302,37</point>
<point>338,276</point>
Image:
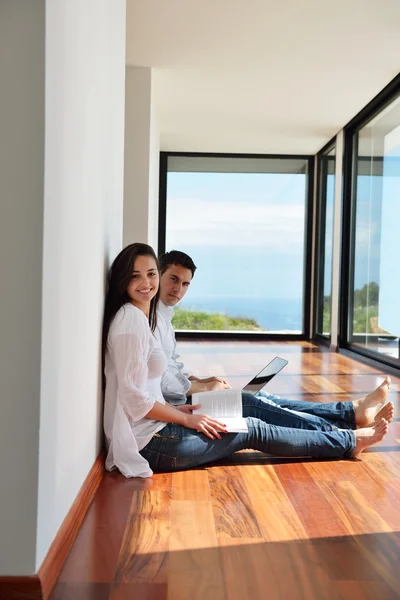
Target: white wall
<point>85,80</point>
<point>141,173</point>
<point>154,178</point>
<point>22,70</point>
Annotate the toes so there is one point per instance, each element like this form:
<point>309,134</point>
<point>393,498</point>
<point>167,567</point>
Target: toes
<point>382,425</point>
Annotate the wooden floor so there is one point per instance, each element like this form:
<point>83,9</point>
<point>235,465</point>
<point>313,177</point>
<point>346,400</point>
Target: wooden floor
<point>253,527</point>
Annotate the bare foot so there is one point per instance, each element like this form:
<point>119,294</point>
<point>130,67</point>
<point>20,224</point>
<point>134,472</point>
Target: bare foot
<point>386,412</point>
<point>368,408</point>
<point>368,436</point>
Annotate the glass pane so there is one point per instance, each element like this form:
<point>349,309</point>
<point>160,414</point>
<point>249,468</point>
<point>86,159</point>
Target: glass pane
<point>375,318</point>
<point>243,223</point>
<point>327,202</point>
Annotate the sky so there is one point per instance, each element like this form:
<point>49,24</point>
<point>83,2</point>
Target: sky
<point>244,231</point>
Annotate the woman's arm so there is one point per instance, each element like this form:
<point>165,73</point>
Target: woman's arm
<point>207,425</point>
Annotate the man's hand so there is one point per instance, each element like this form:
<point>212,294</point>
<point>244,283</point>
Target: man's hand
<point>218,384</point>
<point>208,384</point>
<point>211,379</point>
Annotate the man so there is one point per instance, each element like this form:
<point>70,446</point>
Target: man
<point>177,270</point>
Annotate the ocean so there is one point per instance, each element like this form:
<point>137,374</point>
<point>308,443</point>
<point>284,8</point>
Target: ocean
<point>273,314</point>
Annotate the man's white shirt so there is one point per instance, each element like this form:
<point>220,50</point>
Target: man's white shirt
<point>174,382</point>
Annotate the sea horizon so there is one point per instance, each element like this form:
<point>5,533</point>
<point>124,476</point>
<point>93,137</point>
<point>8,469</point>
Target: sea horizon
<point>273,314</point>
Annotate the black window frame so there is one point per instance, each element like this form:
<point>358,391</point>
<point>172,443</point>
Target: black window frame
<point>320,220</point>
<point>350,158</point>
<point>162,213</point>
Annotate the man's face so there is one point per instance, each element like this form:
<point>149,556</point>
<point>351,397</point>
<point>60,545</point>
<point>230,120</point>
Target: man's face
<point>174,284</point>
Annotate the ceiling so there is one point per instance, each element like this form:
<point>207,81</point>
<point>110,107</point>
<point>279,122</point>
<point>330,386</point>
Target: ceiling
<point>260,76</point>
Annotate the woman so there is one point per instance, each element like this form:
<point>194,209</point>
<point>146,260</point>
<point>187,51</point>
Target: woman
<point>144,433</point>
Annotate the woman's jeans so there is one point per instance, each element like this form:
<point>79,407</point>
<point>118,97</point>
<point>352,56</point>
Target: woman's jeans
<point>272,429</point>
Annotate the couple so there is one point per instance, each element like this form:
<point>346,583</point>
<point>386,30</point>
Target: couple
<point>144,433</point>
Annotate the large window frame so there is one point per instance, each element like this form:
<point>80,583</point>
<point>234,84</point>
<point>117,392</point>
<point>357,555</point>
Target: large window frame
<point>260,336</point>
<point>350,172</point>
<point>320,216</point>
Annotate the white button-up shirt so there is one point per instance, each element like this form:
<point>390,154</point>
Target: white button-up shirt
<point>134,363</point>
<point>174,382</point>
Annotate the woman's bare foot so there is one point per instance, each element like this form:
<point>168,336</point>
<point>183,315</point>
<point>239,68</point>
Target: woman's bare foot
<point>368,436</point>
<point>368,409</point>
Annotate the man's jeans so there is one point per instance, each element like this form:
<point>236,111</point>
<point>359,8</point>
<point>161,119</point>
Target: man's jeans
<point>339,414</point>
<point>296,435</point>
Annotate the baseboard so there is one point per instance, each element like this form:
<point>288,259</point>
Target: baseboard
<point>20,588</point>
<point>62,543</point>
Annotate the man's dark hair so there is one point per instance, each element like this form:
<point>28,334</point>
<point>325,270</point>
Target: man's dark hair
<point>175,257</point>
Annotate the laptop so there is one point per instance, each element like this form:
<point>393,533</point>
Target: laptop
<point>265,375</point>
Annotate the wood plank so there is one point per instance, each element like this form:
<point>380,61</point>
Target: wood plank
<point>276,516</point>
<point>21,588</point>
<point>358,516</point>
<point>194,567</point>
<point>190,485</point>
<point>144,550</point>
<point>309,502</point>
<point>246,571</point>
<point>82,591</point>
<point>362,590</point>
<point>137,590</point>
<point>232,506</point>
<point>381,551</point>
<point>95,553</point>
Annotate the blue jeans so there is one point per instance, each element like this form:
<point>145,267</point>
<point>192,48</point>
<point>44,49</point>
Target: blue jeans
<point>176,447</point>
<point>340,414</point>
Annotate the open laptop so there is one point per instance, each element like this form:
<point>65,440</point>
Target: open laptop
<point>265,375</point>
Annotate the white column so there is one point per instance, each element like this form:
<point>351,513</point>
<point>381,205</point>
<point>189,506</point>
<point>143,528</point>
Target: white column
<point>141,173</point>
<point>85,95</point>
<point>62,74</point>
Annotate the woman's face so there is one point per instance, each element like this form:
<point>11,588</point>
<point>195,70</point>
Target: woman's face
<point>144,282</point>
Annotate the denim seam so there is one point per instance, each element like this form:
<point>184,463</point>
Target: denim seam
<point>353,441</point>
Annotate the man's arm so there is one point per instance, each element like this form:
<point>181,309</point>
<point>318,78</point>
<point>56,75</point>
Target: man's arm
<point>209,384</point>
<point>176,386</point>
<point>207,379</point>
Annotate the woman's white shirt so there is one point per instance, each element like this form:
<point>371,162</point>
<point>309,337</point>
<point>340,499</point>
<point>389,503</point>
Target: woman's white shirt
<point>134,364</point>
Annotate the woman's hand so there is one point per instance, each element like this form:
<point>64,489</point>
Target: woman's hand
<point>207,425</point>
<point>188,408</point>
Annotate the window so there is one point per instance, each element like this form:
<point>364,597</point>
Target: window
<point>374,319</point>
<point>325,242</point>
<point>243,221</point>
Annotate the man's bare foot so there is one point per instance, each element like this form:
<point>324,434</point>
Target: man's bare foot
<point>386,412</point>
<point>368,436</point>
<point>368,409</point>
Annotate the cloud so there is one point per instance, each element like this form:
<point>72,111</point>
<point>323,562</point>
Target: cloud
<point>192,220</point>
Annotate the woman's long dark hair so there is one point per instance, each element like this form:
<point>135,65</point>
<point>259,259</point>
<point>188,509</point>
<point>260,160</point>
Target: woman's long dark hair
<point>119,277</point>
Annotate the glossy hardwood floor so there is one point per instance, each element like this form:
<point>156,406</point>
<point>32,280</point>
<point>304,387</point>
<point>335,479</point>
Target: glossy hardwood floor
<point>254,527</point>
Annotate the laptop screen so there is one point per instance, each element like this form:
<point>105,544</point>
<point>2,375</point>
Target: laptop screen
<point>264,376</point>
